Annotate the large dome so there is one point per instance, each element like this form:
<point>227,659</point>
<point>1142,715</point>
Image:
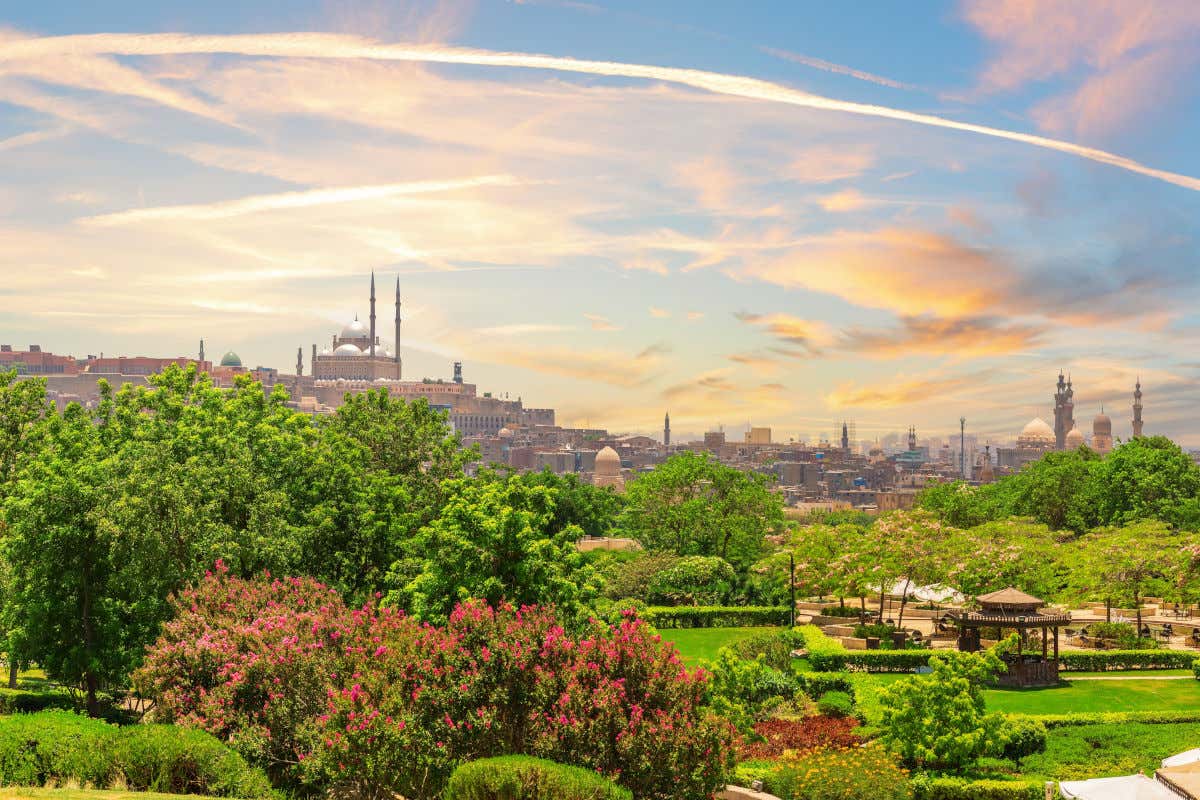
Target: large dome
<point>347,350</point>
<point>231,359</point>
<point>1036,434</point>
<point>608,462</point>
<point>355,330</point>
<point>1102,425</point>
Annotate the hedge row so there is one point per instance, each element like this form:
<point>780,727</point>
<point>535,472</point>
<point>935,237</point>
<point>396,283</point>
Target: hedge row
<point>930,788</point>
<point>1114,718</point>
<point>527,778</point>
<point>715,616</point>
<point>1106,660</point>
<point>871,660</point>
<point>26,701</point>
<point>60,746</point>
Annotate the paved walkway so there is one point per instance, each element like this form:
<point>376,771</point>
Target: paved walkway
<point>1066,676</point>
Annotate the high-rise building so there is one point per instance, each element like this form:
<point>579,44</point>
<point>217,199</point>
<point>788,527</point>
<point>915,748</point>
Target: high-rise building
<point>1137,408</point>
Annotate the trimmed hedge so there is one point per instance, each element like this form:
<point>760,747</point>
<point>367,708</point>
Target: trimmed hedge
<point>26,701</point>
<point>715,616</point>
<point>527,778</point>
<point>926,787</point>
<point>1113,718</point>
<point>61,746</point>
<point>872,660</point>
<point>1122,660</point>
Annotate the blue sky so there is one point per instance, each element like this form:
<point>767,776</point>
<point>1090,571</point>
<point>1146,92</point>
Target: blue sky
<point>624,238</point>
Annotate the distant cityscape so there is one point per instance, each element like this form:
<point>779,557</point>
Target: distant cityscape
<point>839,473</point>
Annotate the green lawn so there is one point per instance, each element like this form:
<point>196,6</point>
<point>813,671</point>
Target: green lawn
<point>1141,673</point>
<point>1104,751</point>
<point>698,644</point>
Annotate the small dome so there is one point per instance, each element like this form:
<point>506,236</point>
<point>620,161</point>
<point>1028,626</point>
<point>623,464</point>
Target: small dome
<point>608,462</point>
<point>505,433</point>
<point>355,330</point>
<point>1074,439</point>
<point>1102,425</point>
<point>231,359</point>
<point>347,350</point>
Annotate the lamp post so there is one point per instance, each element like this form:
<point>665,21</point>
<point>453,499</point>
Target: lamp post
<point>962,447</point>
<point>792,585</point>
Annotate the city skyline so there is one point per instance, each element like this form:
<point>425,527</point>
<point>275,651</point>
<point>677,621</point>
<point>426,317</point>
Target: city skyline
<point>614,241</point>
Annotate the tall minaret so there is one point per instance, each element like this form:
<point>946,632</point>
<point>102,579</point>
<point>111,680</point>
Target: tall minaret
<point>845,436</point>
<point>396,344</point>
<point>202,351</point>
<point>372,345</point>
<point>912,439</point>
<point>667,429</point>
<point>299,361</point>
<point>312,364</point>
<point>1137,407</point>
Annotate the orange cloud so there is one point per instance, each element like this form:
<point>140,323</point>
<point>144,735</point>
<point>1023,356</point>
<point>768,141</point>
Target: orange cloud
<point>971,337</point>
<point>811,335</point>
<point>901,392</point>
<point>845,200</point>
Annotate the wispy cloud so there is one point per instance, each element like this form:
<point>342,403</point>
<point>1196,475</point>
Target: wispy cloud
<point>898,392</point>
<point>600,323</point>
<point>837,69</point>
<point>523,329</point>
<point>659,313</point>
<point>292,200</point>
<point>317,45</point>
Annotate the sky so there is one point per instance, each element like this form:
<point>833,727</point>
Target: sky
<point>777,213</point>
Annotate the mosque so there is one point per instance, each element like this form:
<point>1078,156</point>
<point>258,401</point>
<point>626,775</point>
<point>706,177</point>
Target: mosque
<point>1038,438</point>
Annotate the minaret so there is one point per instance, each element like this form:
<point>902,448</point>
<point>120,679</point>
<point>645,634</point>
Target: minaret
<point>396,344</point>
<point>372,345</point>
<point>912,439</point>
<point>1061,429</point>
<point>845,436</point>
<point>299,361</point>
<point>1137,407</point>
<point>201,351</point>
<point>312,364</point>
<point>667,429</point>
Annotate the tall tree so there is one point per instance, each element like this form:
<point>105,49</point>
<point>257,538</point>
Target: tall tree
<point>692,504</point>
<point>1150,477</point>
<point>1125,564</point>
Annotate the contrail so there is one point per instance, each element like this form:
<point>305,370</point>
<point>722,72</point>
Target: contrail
<point>286,200</point>
<point>321,45</point>
<point>837,69</point>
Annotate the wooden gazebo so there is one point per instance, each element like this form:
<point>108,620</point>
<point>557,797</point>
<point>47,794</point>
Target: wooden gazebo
<point>1012,608</point>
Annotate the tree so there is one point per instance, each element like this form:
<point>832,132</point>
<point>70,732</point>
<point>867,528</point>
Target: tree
<point>497,540</point>
<point>1011,552</point>
<point>1125,564</point>
<point>694,581</point>
<point>23,404</point>
<point>1150,478</point>
<point>914,546</point>
<point>692,505</point>
<point>940,721</point>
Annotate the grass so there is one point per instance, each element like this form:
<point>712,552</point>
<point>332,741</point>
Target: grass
<point>1103,751</point>
<point>31,793</point>
<point>1139,673</point>
<point>699,644</point>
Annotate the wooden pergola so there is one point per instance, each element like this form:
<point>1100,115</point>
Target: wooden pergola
<point>1013,609</point>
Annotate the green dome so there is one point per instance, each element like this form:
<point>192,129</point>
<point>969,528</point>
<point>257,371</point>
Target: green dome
<point>230,359</point>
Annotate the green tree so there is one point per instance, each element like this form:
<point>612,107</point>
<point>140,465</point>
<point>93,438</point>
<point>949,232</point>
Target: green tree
<point>940,721</point>
<point>915,547</point>
<point>1150,478</point>
<point>694,581</point>
<point>693,505</point>
<point>497,540</point>
<point>1125,564</point>
<point>1011,552</point>
<point>23,405</point>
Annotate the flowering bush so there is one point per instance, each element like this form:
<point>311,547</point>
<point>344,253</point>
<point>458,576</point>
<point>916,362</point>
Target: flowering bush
<point>371,702</point>
<point>247,661</point>
<point>778,735</point>
<point>856,773</point>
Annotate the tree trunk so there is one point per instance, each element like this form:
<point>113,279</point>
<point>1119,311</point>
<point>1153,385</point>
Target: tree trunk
<point>1107,609</point>
<point>1137,610</point>
<point>12,671</point>
<point>903,602</point>
<point>93,705</point>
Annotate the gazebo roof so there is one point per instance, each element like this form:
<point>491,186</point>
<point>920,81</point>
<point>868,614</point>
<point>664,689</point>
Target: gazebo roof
<point>1009,597</point>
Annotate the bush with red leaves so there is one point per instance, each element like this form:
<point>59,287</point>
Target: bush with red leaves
<point>801,734</point>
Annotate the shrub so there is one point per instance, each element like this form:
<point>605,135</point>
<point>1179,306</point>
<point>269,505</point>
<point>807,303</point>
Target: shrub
<point>859,773</point>
<point>940,722</point>
<point>1023,737</point>
<point>1105,660</point>
<point>627,575</point>
<point>836,704</point>
<point>878,630</point>
<point>248,661</point>
<point>774,736</point>
<point>1196,668</point>
<point>715,616</point>
<point>525,778</point>
<point>409,701</point>
<point>775,647</point>
<point>841,611</point>
<point>25,701</point>
<point>931,787</point>
<point>1052,721</point>
<point>694,581</point>
<point>63,747</point>
<point>745,691</point>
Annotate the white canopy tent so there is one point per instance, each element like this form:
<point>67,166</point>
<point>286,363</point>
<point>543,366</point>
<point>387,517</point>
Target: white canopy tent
<point>1179,759</point>
<point>933,593</point>
<point>1126,787</point>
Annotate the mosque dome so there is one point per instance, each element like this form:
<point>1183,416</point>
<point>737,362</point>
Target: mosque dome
<point>1102,425</point>
<point>505,433</point>
<point>347,350</point>
<point>608,462</point>
<point>1037,434</point>
<point>1074,439</point>
<point>231,359</point>
<point>355,330</point>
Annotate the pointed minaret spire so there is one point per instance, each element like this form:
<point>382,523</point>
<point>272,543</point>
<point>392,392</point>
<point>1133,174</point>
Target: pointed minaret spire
<point>299,361</point>
<point>667,429</point>
<point>396,344</point>
<point>372,344</point>
<point>1137,407</point>
<point>201,351</point>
